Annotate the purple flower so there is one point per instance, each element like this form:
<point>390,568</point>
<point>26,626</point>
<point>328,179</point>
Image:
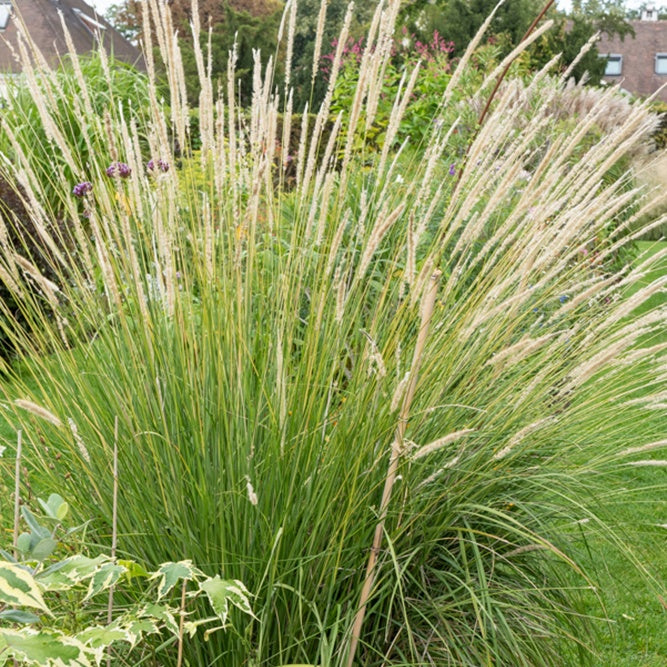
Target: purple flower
<point>120,168</point>
<point>82,189</point>
<point>452,169</point>
<point>563,298</point>
<point>159,165</point>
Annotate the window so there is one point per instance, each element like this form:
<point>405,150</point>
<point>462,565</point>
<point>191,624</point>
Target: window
<point>661,63</point>
<point>5,13</point>
<point>614,65</point>
<point>91,24</point>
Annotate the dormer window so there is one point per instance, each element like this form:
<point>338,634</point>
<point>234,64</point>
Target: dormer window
<point>661,63</point>
<point>5,13</point>
<point>94,26</point>
<point>649,13</point>
<point>614,65</point>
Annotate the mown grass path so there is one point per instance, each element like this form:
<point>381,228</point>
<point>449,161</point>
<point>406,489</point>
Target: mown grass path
<point>637,632</point>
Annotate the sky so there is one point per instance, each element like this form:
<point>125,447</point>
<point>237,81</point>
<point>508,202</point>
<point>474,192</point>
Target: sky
<point>630,4</point>
<point>102,5</point>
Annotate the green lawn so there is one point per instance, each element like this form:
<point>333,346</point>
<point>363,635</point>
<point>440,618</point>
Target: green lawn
<point>637,610</point>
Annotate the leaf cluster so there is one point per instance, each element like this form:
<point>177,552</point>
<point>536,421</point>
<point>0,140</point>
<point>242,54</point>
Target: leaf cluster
<point>50,611</point>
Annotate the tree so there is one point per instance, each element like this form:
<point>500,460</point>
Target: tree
<point>125,16</point>
<point>459,20</point>
<point>304,43</point>
<point>248,24</point>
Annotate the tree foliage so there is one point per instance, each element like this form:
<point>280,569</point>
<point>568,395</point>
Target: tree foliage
<point>459,20</point>
<point>246,25</point>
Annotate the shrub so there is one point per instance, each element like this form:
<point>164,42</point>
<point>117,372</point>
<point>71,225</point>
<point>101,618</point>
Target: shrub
<point>97,89</point>
<point>50,610</point>
<point>382,347</point>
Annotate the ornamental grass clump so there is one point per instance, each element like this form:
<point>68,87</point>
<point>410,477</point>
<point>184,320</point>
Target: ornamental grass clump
<point>378,356</point>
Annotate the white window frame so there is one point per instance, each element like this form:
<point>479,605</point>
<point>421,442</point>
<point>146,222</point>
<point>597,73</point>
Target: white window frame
<point>614,66</point>
<point>93,26</point>
<point>661,63</point>
<point>5,13</point>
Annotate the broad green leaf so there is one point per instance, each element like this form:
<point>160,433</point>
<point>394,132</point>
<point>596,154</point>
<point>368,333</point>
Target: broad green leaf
<point>55,507</point>
<point>48,649</point>
<point>18,588</point>
<point>43,549</point>
<point>105,577</point>
<point>171,573</point>
<point>35,527</point>
<point>23,543</point>
<point>69,572</point>
<point>18,616</point>
<point>222,592</point>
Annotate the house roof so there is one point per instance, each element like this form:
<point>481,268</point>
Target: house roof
<point>87,29</point>
<point>638,64</point>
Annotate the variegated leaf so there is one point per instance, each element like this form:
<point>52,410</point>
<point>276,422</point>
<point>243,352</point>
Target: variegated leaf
<point>19,589</point>
<point>99,637</point>
<point>48,649</point>
<point>104,578</point>
<point>222,592</point>
<point>171,573</point>
<point>136,628</point>
<point>69,572</point>
<point>165,615</point>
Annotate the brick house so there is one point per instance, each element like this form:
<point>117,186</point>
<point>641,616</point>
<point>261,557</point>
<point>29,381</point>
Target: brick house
<point>638,64</point>
<point>42,17</point>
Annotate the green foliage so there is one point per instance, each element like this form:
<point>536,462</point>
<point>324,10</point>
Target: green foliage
<point>97,88</point>
<point>238,32</point>
<point>660,135</point>
<point>259,343</point>
<point>425,107</point>
<point>459,20</point>
<point>39,593</point>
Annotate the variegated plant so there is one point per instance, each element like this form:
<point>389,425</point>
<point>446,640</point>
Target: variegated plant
<point>35,630</point>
